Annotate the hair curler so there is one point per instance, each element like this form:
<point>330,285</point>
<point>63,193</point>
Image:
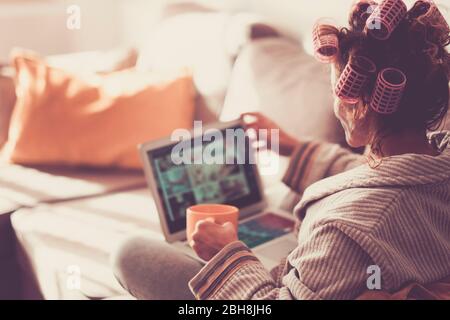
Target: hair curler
<point>354,78</point>
<point>429,12</point>
<point>364,8</point>
<point>360,12</point>
<point>388,91</point>
<point>326,42</point>
<point>385,18</point>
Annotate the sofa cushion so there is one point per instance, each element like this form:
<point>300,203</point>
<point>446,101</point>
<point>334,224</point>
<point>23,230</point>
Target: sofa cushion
<point>276,77</point>
<point>28,186</point>
<point>95,61</point>
<point>80,63</point>
<point>60,118</point>
<point>206,41</point>
<point>201,48</point>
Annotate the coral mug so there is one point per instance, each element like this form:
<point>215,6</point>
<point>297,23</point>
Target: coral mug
<point>221,214</point>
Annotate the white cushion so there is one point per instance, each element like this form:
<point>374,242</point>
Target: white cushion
<point>276,77</point>
<point>206,42</point>
<point>196,41</point>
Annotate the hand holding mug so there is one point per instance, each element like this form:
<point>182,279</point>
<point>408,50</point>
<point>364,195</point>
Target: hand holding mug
<point>210,237</point>
<point>211,227</point>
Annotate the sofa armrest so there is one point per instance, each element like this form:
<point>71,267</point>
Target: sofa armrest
<point>7,101</point>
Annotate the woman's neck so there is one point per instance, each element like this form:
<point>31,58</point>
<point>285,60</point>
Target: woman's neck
<point>406,142</point>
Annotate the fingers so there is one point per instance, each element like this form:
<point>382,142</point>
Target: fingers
<point>254,122</point>
<point>228,225</point>
<point>254,127</point>
<point>202,230</point>
<point>251,114</point>
<point>203,240</point>
<point>251,118</point>
<point>207,233</point>
<point>257,121</point>
<point>230,229</point>
<point>209,238</point>
<point>204,225</point>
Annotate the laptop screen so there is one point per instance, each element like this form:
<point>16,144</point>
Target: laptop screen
<point>232,181</point>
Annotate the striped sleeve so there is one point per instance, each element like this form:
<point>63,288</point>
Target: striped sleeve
<point>328,265</point>
<point>220,268</point>
<point>313,161</point>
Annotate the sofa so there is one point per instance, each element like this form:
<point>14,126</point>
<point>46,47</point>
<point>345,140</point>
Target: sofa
<point>59,225</point>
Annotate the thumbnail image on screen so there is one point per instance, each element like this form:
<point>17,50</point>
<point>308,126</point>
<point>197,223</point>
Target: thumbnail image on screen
<point>181,186</point>
<point>186,185</point>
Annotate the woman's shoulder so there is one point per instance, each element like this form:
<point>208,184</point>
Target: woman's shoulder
<point>373,189</point>
<point>399,228</point>
<point>361,208</point>
<point>386,212</point>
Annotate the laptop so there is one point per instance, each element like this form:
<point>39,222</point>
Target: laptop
<point>177,185</point>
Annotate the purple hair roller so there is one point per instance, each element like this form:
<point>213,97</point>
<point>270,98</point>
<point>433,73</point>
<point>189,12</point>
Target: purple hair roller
<point>385,18</point>
<point>354,78</point>
<point>388,92</point>
<point>326,42</point>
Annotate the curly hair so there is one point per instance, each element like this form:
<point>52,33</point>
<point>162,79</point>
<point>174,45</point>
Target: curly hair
<point>418,48</point>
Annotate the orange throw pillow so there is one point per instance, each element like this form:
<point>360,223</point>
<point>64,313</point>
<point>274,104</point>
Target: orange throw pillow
<point>62,119</point>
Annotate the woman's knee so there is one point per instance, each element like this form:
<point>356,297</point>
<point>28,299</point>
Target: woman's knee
<point>129,256</point>
<point>151,269</point>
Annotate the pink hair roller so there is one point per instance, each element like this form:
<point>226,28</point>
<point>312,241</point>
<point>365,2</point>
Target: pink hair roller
<point>385,18</point>
<point>360,12</point>
<point>353,79</point>
<point>430,13</point>
<point>367,7</point>
<point>326,42</point>
<point>388,91</point>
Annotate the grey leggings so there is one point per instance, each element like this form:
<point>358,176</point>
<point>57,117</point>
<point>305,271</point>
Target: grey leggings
<point>154,270</point>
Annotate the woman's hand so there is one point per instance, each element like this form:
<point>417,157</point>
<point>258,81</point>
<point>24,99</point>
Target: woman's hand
<point>257,121</point>
<point>209,238</point>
